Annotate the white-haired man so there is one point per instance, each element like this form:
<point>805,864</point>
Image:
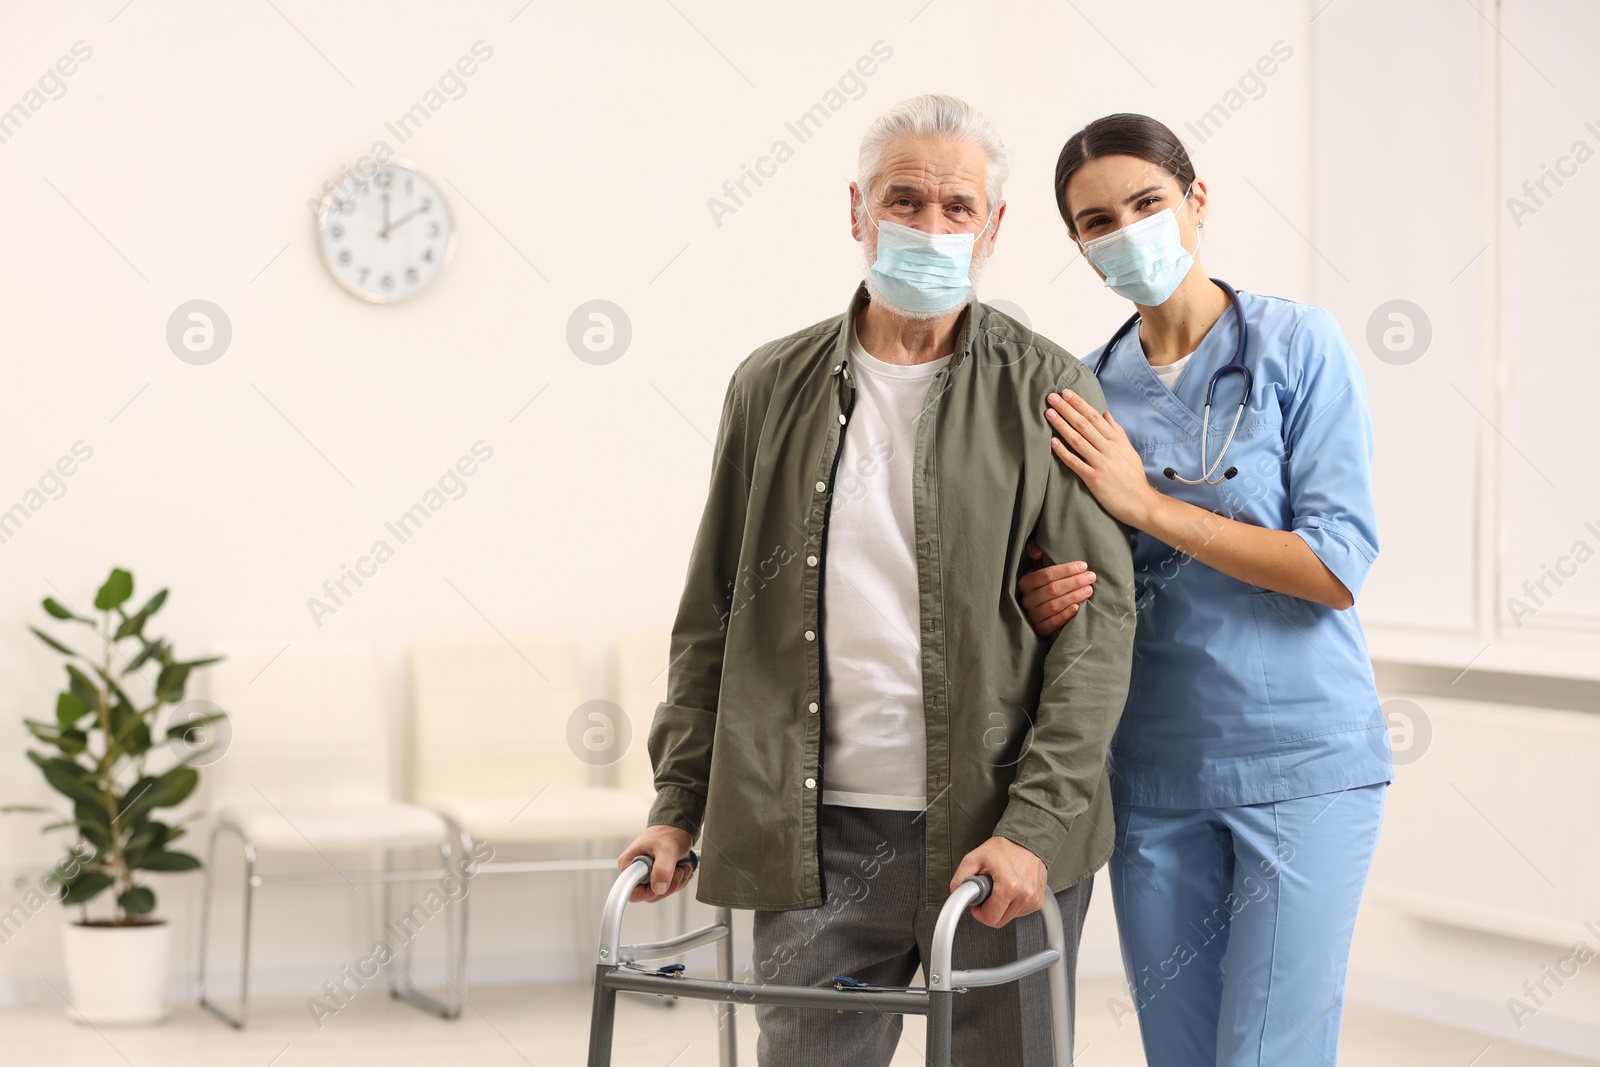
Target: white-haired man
<point>859,715</point>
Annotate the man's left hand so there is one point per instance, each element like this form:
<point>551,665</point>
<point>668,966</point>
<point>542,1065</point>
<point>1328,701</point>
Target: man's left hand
<point>1021,880</point>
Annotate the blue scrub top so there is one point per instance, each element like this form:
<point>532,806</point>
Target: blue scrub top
<point>1240,695</point>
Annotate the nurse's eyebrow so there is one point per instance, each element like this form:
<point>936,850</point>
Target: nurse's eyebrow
<point>1140,195</point>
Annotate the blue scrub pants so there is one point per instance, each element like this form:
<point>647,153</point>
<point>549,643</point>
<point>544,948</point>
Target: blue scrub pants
<point>1236,924</point>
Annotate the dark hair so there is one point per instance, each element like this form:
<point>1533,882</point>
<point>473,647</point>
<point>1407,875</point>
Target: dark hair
<point>1121,134</point>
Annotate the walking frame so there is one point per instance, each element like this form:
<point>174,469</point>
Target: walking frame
<point>617,969</point>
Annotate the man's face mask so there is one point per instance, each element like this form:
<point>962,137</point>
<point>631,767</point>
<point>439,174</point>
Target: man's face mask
<point>923,272</point>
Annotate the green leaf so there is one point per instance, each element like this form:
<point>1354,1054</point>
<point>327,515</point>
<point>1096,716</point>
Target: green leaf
<point>69,709</point>
<point>70,742</point>
<point>167,861</point>
<point>91,813</point>
<point>52,642</point>
<point>150,836</point>
<point>170,789</point>
<point>27,809</point>
<point>133,624</point>
<point>86,886</point>
<point>111,686</point>
<point>137,901</point>
<point>59,612</point>
<point>67,777</point>
<point>208,661</point>
<point>129,733</point>
<point>82,688</point>
<point>170,684</point>
<point>151,648</point>
<point>118,588</point>
<point>181,729</point>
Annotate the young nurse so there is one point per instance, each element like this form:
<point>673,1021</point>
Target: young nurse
<point>1249,767</point>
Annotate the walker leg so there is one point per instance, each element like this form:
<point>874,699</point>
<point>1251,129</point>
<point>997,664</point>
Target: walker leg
<point>941,1007</point>
<point>727,1012</point>
<point>602,1020</point>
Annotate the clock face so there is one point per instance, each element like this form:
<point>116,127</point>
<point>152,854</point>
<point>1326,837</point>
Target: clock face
<point>385,232</point>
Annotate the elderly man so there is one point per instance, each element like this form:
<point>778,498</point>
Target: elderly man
<point>859,715</point>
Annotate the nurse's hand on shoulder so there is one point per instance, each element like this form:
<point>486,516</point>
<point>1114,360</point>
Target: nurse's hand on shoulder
<point>1102,456</point>
<point>1052,595</point>
<point>1021,880</point>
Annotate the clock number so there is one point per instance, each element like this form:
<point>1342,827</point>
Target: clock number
<point>411,276</point>
<point>433,229</point>
<point>344,257</point>
<point>336,232</point>
<point>383,179</point>
<point>364,272</point>
<point>387,281</point>
<point>427,255</point>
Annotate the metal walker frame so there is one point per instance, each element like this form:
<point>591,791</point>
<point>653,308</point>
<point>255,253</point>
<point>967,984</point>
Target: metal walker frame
<point>615,971</point>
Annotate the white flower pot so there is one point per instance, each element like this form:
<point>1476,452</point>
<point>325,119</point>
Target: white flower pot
<point>118,974</point>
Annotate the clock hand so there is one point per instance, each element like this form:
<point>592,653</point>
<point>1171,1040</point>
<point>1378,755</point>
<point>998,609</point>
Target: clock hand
<point>397,223</point>
<point>384,233</point>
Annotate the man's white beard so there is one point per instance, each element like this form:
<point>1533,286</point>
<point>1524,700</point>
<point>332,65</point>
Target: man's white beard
<point>974,271</point>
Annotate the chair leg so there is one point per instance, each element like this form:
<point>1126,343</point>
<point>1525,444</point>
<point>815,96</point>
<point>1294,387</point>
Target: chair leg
<point>454,959</point>
<point>235,1021</point>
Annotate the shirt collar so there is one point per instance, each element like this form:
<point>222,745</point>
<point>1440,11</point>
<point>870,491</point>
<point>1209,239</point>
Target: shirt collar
<point>967,329</point>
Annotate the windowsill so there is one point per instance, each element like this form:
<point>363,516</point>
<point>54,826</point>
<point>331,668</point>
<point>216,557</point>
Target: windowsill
<point>1539,655</point>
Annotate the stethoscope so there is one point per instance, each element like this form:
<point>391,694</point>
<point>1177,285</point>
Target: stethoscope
<point>1233,366</point>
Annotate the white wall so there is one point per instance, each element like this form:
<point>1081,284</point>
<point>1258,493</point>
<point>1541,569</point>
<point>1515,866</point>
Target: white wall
<point>1429,118</point>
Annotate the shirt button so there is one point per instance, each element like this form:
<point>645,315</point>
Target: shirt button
<point>811,561</point>
<point>812,707</point>
<point>811,635</point>
<point>811,783</point>
<point>821,486</point>
<point>841,420</point>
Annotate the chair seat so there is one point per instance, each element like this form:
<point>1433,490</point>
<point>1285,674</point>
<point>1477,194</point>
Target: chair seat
<point>304,827</point>
<point>555,815</point>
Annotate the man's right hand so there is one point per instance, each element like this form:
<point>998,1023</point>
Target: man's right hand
<point>666,845</point>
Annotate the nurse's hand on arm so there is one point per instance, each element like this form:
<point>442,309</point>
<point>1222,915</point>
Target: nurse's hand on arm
<point>1103,457</point>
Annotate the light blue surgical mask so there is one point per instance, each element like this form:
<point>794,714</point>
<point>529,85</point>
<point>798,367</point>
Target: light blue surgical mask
<point>1145,260</point>
<point>923,272</point>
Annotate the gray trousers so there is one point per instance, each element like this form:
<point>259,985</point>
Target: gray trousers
<point>873,928</point>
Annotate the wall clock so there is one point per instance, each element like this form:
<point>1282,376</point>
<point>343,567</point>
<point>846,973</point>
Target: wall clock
<point>385,232</point>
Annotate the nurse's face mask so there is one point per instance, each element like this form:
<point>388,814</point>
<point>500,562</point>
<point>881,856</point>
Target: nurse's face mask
<point>1145,260</point>
<point>923,274</point>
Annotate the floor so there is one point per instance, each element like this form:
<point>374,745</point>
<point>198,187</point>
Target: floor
<point>547,1026</point>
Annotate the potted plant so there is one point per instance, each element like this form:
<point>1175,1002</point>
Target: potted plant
<point>98,753</point>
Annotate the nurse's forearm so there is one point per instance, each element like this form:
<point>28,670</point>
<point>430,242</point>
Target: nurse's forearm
<point>1272,559</point>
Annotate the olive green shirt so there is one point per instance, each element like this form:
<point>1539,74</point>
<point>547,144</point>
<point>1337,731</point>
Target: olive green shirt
<point>1016,725</point>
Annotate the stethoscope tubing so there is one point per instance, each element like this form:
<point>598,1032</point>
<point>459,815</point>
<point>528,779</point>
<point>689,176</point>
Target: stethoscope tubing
<point>1234,366</point>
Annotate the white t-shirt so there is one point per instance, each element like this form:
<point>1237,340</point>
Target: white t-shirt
<point>1169,373</point>
<point>874,745</point>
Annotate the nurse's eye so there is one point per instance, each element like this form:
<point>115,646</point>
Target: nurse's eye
<point>1147,201</point>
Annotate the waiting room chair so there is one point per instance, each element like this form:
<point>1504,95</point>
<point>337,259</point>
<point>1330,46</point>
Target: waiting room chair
<point>306,772</point>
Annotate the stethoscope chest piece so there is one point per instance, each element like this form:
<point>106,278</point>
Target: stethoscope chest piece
<point>1234,366</point>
